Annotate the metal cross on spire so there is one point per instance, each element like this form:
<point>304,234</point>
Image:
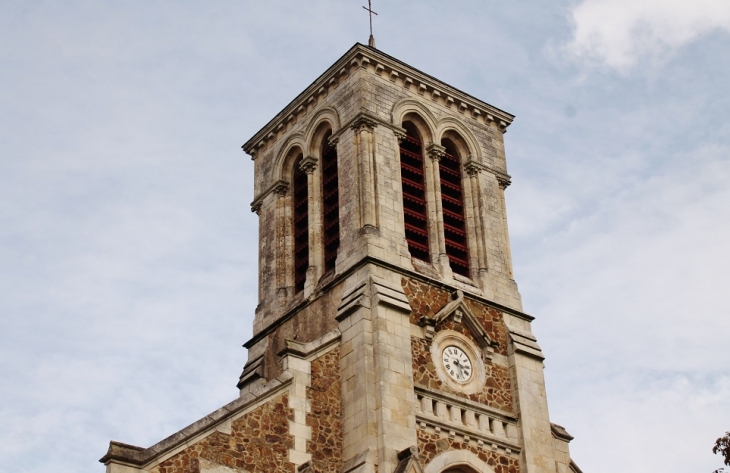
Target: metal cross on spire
<point>369,8</point>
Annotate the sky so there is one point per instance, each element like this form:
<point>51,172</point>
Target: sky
<point>128,250</point>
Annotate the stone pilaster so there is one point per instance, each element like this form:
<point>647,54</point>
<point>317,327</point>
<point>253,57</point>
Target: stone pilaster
<point>526,367</point>
<point>365,146</point>
<point>378,394</point>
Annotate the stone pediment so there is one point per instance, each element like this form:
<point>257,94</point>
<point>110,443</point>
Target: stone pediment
<point>460,313</point>
<point>408,461</point>
<point>374,60</point>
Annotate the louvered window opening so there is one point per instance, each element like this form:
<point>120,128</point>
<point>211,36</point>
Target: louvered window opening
<point>414,196</point>
<point>452,202</point>
<point>331,205</point>
<point>301,226</point>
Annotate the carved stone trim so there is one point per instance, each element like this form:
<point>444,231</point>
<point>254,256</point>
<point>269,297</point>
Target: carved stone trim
<point>400,135</point>
<point>458,309</point>
<point>472,167</point>
<point>279,187</point>
<point>363,57</point>
<point>364,122</point>
<point>308,164</point>
<point>436,152</point>
<point>504,180</point>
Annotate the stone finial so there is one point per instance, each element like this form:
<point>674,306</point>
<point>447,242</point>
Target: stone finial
<point>436,152</point>
<point>308,164</point>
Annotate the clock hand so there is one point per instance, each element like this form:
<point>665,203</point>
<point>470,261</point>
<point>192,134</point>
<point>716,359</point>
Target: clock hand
<point>458,365</point>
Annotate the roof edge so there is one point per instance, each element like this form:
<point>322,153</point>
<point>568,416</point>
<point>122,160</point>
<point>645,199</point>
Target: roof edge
<point>358,56</point>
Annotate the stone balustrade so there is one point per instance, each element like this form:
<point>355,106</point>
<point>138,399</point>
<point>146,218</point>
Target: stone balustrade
<point>458,419</point>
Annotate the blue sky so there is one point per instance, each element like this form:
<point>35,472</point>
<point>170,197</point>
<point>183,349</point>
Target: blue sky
<point>128,252</point>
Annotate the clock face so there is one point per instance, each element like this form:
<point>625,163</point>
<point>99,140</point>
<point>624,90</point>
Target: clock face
<point>457,364</point>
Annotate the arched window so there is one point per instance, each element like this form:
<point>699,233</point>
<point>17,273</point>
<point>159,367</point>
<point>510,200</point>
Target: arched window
<point>301,224</point>
<point>330,203</point>
<point>414,193</point>
<point>452,203</point>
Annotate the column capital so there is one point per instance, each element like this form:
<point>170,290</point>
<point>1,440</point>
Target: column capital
<point>281,188</point>
<point>308,164</point>
<point>400,134</point>
<point>364,122</point>
<point>436,152</point>
<point>256,207</point>
<point>472,167</point>
<point>503,180</point>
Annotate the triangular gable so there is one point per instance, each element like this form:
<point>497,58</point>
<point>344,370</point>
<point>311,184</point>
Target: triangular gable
<point>457,309</point>
<point>408,461</point>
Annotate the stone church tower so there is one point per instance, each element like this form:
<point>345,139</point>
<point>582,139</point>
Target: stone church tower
<point>389,334</point>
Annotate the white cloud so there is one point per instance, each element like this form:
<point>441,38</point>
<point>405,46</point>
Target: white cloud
<point>622,33</point>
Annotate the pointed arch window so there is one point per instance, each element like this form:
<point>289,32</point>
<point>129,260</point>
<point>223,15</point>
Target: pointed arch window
<point>330,203</point>
<point>414,193</point>
<point>452,203</point>
<point>300,201</point>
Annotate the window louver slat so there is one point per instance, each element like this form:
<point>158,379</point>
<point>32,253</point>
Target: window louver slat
<point>414,195</point>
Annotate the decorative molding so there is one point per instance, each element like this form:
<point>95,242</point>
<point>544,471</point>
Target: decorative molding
<point>560,433</point>
<point>364,122</point>
<point>299,303</point>
<point>408,461</point>
<point>311,349</point>
<point>364,58</point>
<point>436,152</point>
<point>458,309</point>
<point>279,187</point>
<point>308,164</point>
<point>524,342</point>
<point>372,290</point>
<point>400,135</point>
<point>465,403</point>
<point>474,166</point>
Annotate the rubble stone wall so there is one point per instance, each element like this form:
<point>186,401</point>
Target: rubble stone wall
<point>431,444</point>
<point>325,417</point>
<point>259,443</point>
<point>427,300</point>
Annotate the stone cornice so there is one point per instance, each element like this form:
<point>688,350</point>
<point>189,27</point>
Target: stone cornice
<point>371,59</point>
<point>295,308</point>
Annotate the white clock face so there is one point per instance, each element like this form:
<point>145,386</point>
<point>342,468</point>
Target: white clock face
<point>457,364</point>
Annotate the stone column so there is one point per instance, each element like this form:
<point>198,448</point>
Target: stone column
<point>472,169</point>
<point>314,208</point>
<point>433,191</point>
<point>365,145</point>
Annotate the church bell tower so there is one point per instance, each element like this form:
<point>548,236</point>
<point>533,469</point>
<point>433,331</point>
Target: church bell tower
<point>389,334</point>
